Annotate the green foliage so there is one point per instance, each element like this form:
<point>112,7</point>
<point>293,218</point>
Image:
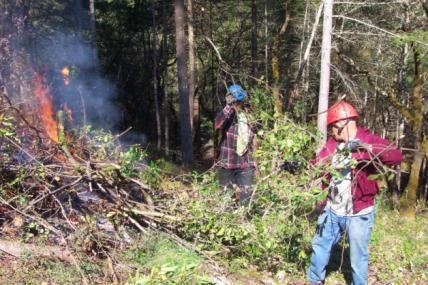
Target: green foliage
<point>417,39</point>
<point>130,159</point>
<point>416,36</point>
<point>401,247</point>
<point>271,232</point>
<point>33,229</point>
<point>280,138</point>
<point>7,128</point>
<point>270,235</point>
<point>102,144</point>
<point>161,261</point>
<point>152,174</point>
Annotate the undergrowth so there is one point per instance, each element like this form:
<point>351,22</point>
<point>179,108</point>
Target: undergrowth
<point>270,232</point>
<point>161,261</point>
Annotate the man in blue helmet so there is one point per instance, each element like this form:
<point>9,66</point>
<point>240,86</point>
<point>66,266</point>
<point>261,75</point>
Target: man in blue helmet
<point>236,163</point>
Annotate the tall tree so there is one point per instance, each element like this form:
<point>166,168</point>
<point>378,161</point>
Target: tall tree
<point>275,60</point>
<point>185,125</point>
<point>165,75</point>
<point>266,45</point>
<point>155,77</point>
<point>415,116</point>
<point>93,29</point>
<point>325,71</point>
<point>254,62</point>
<point>193,101</point>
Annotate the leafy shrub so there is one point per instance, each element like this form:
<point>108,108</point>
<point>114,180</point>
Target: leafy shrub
<point>161,261</point>
<point>273,231</point>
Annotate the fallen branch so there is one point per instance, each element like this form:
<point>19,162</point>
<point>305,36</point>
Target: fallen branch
<point>44,196</point>
<point>19,250</point>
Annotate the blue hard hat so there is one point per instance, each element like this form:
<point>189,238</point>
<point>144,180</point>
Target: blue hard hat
<point>237,91</point>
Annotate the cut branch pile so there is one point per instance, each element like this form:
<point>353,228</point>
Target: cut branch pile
<point>79,191</point>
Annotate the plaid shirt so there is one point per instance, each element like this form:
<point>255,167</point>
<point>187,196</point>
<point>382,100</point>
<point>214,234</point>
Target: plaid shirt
<point>229,159</point>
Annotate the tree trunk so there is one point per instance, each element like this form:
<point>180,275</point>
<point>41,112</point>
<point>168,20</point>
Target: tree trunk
<point>400,122</point>
<point>266,47</point>
<point>165,76</point>
<point>193,101</point>
<point>309,45</point>
<point>93,30</point>
<point>325,71</point>
<point>155,77</point>
<point>185,125</point>
<point>275,61</point>
<point>305,58</point>
<point>254,62</point>
<point>408,201</point>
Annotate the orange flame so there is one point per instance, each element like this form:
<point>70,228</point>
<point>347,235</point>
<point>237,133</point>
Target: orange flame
<point>42,92</point>
<point>65,72</point>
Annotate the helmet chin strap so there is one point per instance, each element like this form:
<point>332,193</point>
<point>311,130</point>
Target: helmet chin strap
<point>340,129</point>
<point>351,131</point>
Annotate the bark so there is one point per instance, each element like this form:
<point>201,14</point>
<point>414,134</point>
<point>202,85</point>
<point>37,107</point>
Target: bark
<point>325,71</point>
<point>408,201</point>
<point>425,6</point>
<point>193,100</point>
<point>155,77</point>
<point>93,30</point>
<point>185,125</point>
<point>396,191</point>
<point>254,62</point>
<point>305,58</point>
<point>266,46</point>
<point>275,61</point>
<point>165,76</point>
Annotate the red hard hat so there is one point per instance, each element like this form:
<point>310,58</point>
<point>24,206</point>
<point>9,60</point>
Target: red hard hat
<point>340,111</point>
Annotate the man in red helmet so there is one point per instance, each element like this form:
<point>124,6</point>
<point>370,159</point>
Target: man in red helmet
<point>350,155</point>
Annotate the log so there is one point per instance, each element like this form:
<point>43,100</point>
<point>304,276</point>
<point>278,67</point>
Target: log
<point>19,249</point>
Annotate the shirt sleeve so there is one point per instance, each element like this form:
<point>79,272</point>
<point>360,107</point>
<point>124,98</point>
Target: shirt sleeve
<point>223,116</point>
<point>387,153</point>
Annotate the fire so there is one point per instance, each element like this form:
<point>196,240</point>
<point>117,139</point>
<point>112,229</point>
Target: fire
<point>65,72</point>
<point>42,92</point>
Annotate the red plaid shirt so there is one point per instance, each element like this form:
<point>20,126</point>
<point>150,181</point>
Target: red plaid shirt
<point>229,159</point>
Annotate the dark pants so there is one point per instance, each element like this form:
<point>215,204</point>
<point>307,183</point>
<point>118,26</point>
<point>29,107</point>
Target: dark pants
<point>242,178</point>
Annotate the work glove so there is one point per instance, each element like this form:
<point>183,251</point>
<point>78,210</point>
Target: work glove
<point>230,100</point>
<point>291,166</point>
<point>354,145</point>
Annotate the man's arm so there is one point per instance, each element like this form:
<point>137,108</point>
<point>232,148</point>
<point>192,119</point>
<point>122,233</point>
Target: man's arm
<point>378,147</point>
<point>223,116</point>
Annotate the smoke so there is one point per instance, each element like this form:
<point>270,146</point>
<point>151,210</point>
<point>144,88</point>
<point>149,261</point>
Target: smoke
<point>85,91</point>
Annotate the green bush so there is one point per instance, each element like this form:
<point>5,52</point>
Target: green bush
<point>161,261</point>
<point>273,231</point>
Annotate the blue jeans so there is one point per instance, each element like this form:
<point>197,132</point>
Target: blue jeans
<point>330,228</point>
<point>243,178</point>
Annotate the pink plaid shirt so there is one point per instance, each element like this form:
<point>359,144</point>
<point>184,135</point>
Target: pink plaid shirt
<point>229,159</point>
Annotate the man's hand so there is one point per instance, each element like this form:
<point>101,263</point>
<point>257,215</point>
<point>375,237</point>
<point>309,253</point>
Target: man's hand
<point>230,100</point>
<point>356,144</point>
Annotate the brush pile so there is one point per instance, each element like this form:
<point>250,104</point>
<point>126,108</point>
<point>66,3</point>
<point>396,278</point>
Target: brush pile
<point>86,189</point>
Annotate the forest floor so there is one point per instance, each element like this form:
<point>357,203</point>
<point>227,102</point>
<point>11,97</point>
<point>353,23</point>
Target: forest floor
<point>399,255</point>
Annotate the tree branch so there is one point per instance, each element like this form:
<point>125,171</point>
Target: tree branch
<point>375,27</point>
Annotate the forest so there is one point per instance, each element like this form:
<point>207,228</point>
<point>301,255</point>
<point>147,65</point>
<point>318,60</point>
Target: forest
<point>204,141</point>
